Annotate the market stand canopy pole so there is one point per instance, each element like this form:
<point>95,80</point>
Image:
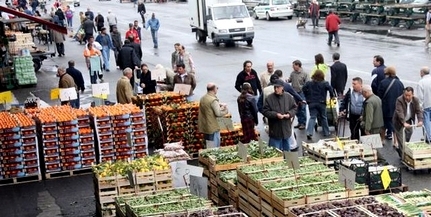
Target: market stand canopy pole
<point>50,25</point>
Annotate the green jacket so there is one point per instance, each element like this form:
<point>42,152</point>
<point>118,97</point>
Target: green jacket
<point>372,114</point>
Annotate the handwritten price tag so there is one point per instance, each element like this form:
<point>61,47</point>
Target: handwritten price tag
<point>183,89</point>
<point>158,74</point>
<point>67,94</point>
<point>181,173</point>
<point>242,151</point>
<point>371,141</point>
<point>100,90</point>
<point>347,177</point>
<point>6,97</point>
<point>292,159</point>
<point>199,186</point>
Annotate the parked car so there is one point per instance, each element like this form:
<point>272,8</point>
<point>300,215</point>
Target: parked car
<point>273,9</point>
<point>76,3</point>
<point>251,4</point>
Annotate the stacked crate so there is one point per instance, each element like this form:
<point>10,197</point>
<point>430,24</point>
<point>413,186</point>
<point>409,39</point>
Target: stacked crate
<point>151,101</point>
<point>104,131</point>
<point>180,123</point>
<point>139,137</point>
<point>50,145</point>
<point>121,129</point>
<point>19,156</point>
<point>86,141</point>
<point>68,140</point>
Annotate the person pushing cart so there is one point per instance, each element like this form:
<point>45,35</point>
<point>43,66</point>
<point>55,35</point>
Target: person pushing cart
<point>94,63</point>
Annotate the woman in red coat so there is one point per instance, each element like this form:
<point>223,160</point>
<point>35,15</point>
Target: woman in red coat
<point>332,26</point>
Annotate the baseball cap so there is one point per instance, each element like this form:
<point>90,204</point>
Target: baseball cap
<point>278,83</point>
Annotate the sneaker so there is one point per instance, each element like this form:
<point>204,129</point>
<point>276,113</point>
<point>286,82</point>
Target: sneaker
<point>302,127</point>
<point>389,137</point>
<point>309,137</point>
<point>297,126</point>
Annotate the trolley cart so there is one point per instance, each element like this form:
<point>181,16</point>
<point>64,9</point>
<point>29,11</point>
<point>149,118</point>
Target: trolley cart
<point>414,160</point>
<point>331,114</point>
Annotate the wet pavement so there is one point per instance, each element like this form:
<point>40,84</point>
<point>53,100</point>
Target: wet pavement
<point>277,40</point>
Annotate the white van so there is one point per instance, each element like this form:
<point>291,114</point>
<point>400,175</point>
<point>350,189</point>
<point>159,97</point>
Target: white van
<point>273,9</point>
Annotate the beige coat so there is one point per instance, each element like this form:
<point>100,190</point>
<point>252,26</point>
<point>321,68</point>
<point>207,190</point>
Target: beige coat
<point>58,37</point>
<point>66,81</point>
<point>124,91</point>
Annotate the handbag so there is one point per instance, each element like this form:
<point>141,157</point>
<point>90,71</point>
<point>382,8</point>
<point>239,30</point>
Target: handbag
<point>389,87</point>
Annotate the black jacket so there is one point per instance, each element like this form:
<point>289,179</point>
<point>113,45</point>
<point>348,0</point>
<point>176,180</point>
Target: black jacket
<point>253,79</point>
<point>248,108</point>
<point>141,8</point>
<point>116,40</point>
<point>339,76</point>
<point>100,20</point>
<point>127,58</point>
<point>137,48</point>
<point>60,14</point>
<point>89,14</point>
<point>390,99</point>
<point>77,77</point>
<point>284,104</point>
<point>88,27</point>
<point>150,85</point>
<point>316,92</point>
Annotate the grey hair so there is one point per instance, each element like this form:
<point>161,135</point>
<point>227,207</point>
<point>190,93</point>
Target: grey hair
<point>127,71</point>
<point>61,68</point>
<point>425,70</point>
<point>367,88</point>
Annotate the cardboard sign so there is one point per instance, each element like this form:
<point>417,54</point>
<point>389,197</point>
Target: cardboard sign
<point>158,74</point>
<point>67,94</point>
<point>347,177</point>
<point>371,141</point>
<point>386,178</point>
<point>225,124</point>
<point>181,173</point>
<point>292,159</point>
<point>183,89</point>
<point>242,151</point>
<point>131,178</point>
<point>100,90</point>
<point>261,147</point>
<point>199,186</point>
<point>6,97</point>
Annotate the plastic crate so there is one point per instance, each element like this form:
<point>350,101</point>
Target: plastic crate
<point>375,182</point>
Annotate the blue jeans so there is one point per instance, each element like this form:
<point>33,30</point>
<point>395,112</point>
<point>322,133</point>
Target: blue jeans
<point>302,114</point>
<point>69,22</point>
<point>154,36</point>
<point>282,144</point>
<point>105,55</point>
<point>315,110</point>
<point>427,123</point>
<point>75,103</point>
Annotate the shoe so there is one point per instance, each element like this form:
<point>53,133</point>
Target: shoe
<point>338,44</point>
<point>329,44</point>
<point>297,126</point>
<point>302,127</point>
<point>101,80</point>
<point>107,70</point>
<point>155,46</point>
<point>309,137</point>
<point>388,137</point>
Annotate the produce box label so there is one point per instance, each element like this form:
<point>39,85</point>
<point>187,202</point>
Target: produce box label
<point>371,141</point>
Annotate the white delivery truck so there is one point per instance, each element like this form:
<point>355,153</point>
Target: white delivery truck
<point>223,21</point>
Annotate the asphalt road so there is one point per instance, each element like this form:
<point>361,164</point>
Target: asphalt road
<point>276,40</point>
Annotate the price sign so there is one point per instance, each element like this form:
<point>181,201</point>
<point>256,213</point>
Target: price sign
<point>181,173</point>
<point>100,90</point>
<point>67,94</point>
<point>199,186</point>
<point>242,151</point>
<point>131,178</point>
<point>158,74</point>
<point>347,177</point>
<point>386,178</point>
<point>261,146</point>
<point>371,141</point>
<point>6,97</point>
<point>292,159</point>
<point>225,124</point>
<point>183,89</point>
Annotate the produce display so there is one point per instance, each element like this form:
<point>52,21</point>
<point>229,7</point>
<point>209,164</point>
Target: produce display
<point>173,152</point>
<point>396,201</point>
<point>152,101</point>
<point>67,138</point>
<point>24,70</point>
<point>229,175</point>
<point>19,155</point>
<point>417,155</point>
<point>329,151</point>
<point>180,123</point>
<point>121,131</point>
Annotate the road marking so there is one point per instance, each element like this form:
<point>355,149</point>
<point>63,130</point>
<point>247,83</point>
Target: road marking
<point>298,58</point>
<point>271,52</point>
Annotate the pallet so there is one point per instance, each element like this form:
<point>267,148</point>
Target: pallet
<point>19,180</point>
<point>68,173</point>
<point>402,188</point>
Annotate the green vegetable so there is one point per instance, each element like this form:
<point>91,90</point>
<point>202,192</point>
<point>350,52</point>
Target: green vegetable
<point>228,175</point>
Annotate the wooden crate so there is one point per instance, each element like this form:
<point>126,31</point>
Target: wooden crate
<point>417,163</point>
<point>163,175</point>
<point>417,154</point>
<point>282,206</point>
<point>358,192</point>
<point>338,195</point>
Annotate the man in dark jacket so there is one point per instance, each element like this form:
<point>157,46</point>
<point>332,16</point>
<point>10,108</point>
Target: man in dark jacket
<point>407,109</point>
<point>279,108</point>
<point>339,75</point>
<point>147,83</point>
<point>332,26</point>
<point>59,13</point>
<point>89,28</point>
<point>142,11</point>
<point>89,14</point>
<point>389,90</point>
<point>127,58</point>
<point>351,108</point>
<point>136,47</point>
<point>100,21</point>
<point>116,42</point>
<point>79,80</point>
<point>248,75</point>
<point>378,73</point>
